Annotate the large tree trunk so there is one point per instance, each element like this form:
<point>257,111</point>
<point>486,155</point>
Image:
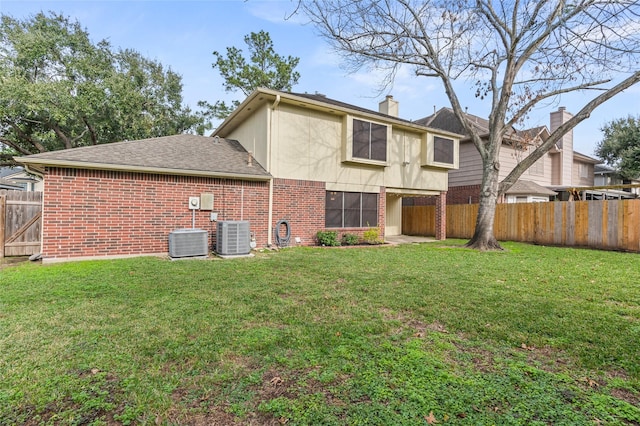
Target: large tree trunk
<point>483,238</point>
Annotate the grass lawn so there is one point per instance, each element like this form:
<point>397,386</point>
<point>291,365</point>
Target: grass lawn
<point>402,335</point>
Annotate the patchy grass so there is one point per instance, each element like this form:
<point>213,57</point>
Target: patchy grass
<point>413,334</point>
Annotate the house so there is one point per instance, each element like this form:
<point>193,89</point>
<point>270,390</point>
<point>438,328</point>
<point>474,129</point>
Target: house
<point>551,177</point>
<point>306,160</point>
<point>15,178</point>
<point>621,188</point>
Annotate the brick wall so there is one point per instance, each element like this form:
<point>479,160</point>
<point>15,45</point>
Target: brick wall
<point>302,204</point>
<point>103,213</point>
<point>455,195</point>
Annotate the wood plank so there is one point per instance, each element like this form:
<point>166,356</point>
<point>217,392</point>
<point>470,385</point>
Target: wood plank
<point>594,224</point>
<point>23,228</point>
<point>3,199</point>
<point>613,207</point>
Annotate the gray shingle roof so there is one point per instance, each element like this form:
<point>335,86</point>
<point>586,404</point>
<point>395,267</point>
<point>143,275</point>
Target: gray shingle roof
<point>181,154</point>
<point>526,187</point>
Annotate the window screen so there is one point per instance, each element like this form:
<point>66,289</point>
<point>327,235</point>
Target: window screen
<point>442,150</point>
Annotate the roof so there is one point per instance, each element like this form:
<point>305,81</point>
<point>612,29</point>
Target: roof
<point>585,158</point>
<point>445,119</point>
<point>190,155</point>
<point>317,102</point>
<point>9,184</point>
<point>526,187</point>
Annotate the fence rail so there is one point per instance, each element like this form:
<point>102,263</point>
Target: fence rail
<point>20,222</point>
<point>611,224</point>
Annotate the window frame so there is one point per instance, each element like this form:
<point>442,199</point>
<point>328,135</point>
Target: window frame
<point>351,153</point>
<point>429,151</point>
<point>350,208</point>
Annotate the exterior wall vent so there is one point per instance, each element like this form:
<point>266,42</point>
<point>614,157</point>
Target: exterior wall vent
<point>188,243</point>
<point>233,238</point>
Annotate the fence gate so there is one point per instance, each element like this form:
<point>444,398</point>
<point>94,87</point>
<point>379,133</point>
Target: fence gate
<point>20,223</point>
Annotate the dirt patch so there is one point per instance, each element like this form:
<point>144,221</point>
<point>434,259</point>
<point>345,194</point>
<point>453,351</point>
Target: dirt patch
<point>7,262</point>
<point>627,396</point>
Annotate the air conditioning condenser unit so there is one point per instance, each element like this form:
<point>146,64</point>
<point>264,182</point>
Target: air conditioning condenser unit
<point>233,238</point>
<point>188,243</point>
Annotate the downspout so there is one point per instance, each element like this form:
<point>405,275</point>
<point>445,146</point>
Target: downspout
<point>269,142</point>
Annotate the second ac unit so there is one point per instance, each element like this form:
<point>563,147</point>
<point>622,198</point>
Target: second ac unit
<point>233,238</point>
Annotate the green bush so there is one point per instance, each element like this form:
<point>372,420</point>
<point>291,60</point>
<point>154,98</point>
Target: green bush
<point>350,239</point>
<point>372,236</point>
<point>328,238</point>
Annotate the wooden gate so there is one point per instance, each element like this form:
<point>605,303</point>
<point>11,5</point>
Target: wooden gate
<point>20,223</point>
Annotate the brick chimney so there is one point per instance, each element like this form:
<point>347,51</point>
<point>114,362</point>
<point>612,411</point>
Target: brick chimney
<point>389,106</point>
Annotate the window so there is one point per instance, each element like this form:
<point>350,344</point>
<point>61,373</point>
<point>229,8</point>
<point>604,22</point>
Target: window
<point>442,150</point>
<point>351,209</point>
<point>537,168</point>
<point>369,140</point>
<point>584,170</point>
<point>439,151</point>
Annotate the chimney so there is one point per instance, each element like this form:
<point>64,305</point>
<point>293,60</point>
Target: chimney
<point>249,159</point>
<point>389,106</point>
<point>564,174</point>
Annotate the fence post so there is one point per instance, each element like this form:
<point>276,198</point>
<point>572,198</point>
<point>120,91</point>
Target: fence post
<point>3,209</point>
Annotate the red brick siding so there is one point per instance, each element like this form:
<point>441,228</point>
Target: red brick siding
<point>462,194</point>
<point>441,216</point>
<point>106,213</point>
<point>455,195</point>
<point>302,204</point>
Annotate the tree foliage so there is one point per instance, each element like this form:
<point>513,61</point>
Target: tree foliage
<point>517,55</point>
<point>263,68</point>
<point>620,147</point>
<point>60,90</point>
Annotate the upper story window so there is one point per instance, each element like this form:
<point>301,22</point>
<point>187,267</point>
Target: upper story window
<point>365,142</point>
<point>584,170</point>
<point>537,168</point>
<point>369,140</point>
<point>440,151</point>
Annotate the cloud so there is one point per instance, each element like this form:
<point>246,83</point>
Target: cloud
<point>276,11</point>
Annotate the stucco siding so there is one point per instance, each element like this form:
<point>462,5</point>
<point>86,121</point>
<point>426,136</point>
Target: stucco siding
<point>308,145</point>
<point>253,135</point>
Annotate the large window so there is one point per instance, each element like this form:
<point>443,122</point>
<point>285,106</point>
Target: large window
<point>351,209</point>
<point>369,140</point>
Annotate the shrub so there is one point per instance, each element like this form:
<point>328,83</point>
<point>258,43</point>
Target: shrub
<point>372,236</point>
<point>350,239</point>
<point>327,238</point>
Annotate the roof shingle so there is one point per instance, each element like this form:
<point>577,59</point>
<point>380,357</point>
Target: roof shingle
<point>184,153</point>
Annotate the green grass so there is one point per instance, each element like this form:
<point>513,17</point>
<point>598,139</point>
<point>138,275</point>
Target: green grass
<point>372,336</point>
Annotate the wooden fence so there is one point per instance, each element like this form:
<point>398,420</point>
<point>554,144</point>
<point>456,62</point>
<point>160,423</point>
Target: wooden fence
<point>20,223</point>
<point>612,224</point>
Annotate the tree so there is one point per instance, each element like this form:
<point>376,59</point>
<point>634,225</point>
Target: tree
<point>264,68</point>
<point>620,147</point>
<point>60,90</point>
<point>518,54</point>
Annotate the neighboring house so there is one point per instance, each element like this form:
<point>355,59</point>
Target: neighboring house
<point>607,176</point>
<point>17,179</point>
<point>311,161</point>
<point>548,178</point>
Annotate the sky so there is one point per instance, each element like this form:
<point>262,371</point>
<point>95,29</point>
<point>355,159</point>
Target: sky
<point>184,34</point>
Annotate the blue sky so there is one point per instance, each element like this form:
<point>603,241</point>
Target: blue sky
<point>183,35</point>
